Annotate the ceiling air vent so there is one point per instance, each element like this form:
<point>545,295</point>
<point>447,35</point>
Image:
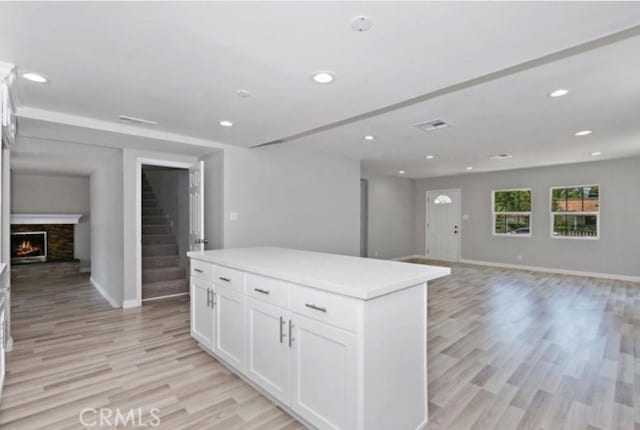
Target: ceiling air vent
<point>428,126</point>
<point>133,120</point>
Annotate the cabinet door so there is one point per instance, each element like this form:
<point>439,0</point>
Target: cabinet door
<point>202,312</point>
<point>229,338</point>
<point>323,374</point>
<point>267,348</point>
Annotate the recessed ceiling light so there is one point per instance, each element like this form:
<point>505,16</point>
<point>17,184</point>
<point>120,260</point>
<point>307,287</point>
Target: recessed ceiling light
<point>468,168</point>
<point>584,133</point>
<point>596,154</point>
<point>430,157</point>
<point>243,93</point>
<point>35,77</point>
<point>226,123</point>
<point>369,137</point>
<point>559,93</point>
<point>323,77</point>
<point>501,156</point>
<point>402,172</point>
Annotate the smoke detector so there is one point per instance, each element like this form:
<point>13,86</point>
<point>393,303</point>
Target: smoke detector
<point>433,125</point>
<point>501,157</point>
<point>361,23</point>
<point>134,120</point>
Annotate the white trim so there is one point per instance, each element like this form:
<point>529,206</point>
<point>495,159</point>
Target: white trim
<point>553,214</point>
<point>127,304</point>
<point>45,218</point>
<point>169,296</point>
<point>627,278</point>
<point>104,293</point>
<point>148,162</point>
<point>406,257</point>
<point>426,219</point>
<point>85,270</point>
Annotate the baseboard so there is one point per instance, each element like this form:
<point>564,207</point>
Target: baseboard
<point>151,299</point>
<point>130,304</point>
<point>104,293</point>
<point>85,270</point>
<point>553,270</point>
<point>407,257</point>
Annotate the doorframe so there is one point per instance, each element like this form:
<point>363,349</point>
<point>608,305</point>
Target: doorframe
<point>426,219</point>
<point>140,161</point>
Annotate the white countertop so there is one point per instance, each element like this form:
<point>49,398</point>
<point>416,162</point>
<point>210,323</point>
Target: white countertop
<point>362,278</point>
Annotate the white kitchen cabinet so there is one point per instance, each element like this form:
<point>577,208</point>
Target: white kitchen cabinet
<point>229,335</point>
<point>324,379</point>
<point>202,312</point>
<point>268,348</point>
<point>338,342</point>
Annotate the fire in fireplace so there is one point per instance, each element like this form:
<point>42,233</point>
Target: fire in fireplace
<point>28,246</point>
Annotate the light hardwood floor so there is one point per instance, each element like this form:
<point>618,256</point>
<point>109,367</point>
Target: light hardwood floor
<point>507,350</point>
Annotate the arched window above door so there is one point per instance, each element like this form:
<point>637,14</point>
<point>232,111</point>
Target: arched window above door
<point>442,199</point>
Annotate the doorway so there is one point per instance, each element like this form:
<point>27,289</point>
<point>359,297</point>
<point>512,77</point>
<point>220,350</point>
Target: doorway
<point>442,238</point>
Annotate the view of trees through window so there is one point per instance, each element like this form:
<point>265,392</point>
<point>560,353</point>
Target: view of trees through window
<point>512,212</point>
<point>575,211</point>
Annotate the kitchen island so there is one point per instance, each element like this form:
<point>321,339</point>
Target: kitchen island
<point>339,342</point>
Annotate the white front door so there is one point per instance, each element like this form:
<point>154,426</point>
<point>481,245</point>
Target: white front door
<point>443,225</point>
<point>196,207</point>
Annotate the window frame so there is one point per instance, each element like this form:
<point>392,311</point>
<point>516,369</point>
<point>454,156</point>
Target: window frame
<point>495,214</point>
<point>552,213</point>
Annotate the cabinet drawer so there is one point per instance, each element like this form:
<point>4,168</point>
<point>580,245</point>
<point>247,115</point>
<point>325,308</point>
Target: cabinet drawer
<point>268,289</point>
<point>231,278</point>
<point>202,270</point>
<point>340,311</point>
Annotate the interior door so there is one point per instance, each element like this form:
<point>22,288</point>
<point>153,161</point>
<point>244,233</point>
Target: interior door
<point>324,374</point>
<point>202,312</point>
<point>443,225</point>
<point>267,348</point>
<point>196,208</point>
<point>229,336</point>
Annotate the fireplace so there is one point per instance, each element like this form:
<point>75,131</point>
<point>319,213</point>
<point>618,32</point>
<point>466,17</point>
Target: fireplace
<point>27,247</point>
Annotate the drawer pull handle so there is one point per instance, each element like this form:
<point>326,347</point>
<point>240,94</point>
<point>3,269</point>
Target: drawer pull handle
<point>222,278</point>
<point>261,291</point>
<point>197,270</point>
<point>316,308</point>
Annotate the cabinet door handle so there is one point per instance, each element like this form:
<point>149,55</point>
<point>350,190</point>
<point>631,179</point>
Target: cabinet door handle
<point>213,299</point>
<point>197,270</point>
<point>222,278</point>
<point>209,299</point>
<point>261,291</point>
<point>316,308</point>
<point>281,329</point>
<point>290,333</point>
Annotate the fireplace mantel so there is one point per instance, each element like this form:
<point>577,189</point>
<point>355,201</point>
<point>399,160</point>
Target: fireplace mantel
<point>45,218</point>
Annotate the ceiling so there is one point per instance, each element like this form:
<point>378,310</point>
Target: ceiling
<point>180,64</point>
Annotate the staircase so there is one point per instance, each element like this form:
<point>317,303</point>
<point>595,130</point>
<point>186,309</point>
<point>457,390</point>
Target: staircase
<point>161,271</point>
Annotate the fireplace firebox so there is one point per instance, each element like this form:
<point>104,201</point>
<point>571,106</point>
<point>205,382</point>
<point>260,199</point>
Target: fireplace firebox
<point>27,247</point>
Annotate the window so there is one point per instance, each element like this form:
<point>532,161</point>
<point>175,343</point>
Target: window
<point>575,212</point>
<point>512,212</point>
<point>443,199</point>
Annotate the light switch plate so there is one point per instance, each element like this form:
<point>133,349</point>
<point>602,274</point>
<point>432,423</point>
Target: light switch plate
<point>234,216</point>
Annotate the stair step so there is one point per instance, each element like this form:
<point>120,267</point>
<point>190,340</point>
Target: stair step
<point>158,239</point>
<point>155,220</point>
<point>156,229</point>
<point>162,274</point>
<point>159,261</point>
<point>164,288</point>
<point>152,212</point>
<point>154,250</point>
<point>153,203</point>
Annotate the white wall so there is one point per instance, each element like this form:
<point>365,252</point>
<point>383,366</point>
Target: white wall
<point>42,193</point>
<point>616,252</point>
<point>107,253</point>
<point>291,197</point>
<point>390,207</point>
